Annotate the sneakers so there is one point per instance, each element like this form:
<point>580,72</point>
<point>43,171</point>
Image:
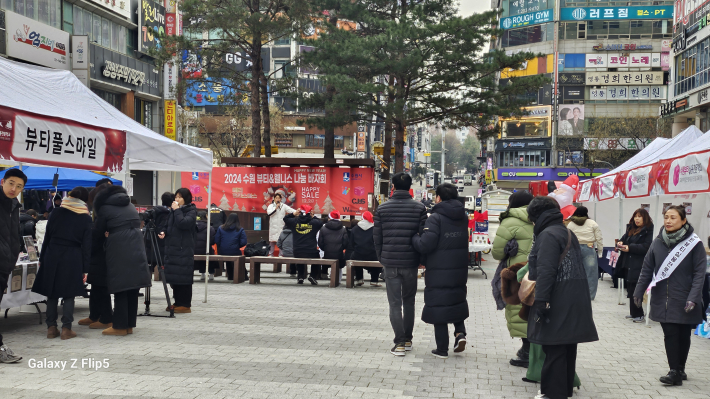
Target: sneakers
<point>211,277</point>
<point>202,277</point>
<point>312,280</point>
<point>629,317</point>
<point>398,350</point>
<point>375,284</point>
<point>639,319</point>
<point>408,346</point>
<point>359,283</point>
<point>7,355</point>
<point>460,343</point>
<point>440,354</point>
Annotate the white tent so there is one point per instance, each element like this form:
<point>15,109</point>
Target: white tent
<point>57,93</point>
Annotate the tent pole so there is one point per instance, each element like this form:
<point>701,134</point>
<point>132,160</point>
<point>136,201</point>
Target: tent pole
<point>209,221</point>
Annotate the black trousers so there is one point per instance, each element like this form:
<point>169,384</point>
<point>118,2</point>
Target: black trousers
<point>441,334</point>
<point>558,370</point>
<point>3,285</point>
<point>200,265</point>
<point>182,294</point>
<point>374,273</point>
<point>677,340</point>
<point>100,304</point>
<point>125,309</point>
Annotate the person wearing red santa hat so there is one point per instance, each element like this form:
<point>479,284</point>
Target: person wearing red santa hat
<point>332,240</point>
<point>304,228</point>
<point>564,195</point>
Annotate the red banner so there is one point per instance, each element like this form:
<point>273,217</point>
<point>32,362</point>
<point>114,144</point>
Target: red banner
<point>38,139</point>
<point>251,189</point>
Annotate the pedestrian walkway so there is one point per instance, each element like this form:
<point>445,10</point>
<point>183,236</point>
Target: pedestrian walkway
<point>280,340</point>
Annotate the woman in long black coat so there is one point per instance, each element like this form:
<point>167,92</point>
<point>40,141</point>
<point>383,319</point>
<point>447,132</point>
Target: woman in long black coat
<point>64,260</point>
<point>362,247</point>
<point>100,309</point>
<point>634,245</point>
<point>126,263</point>
<point>561,316</point>
<point>180,249</point>
<point>444,243</point>
<point>676,301</point>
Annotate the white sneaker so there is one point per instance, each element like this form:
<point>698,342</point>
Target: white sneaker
<point>541,397</point>
<point>211,277</point>
<point>202,277</point>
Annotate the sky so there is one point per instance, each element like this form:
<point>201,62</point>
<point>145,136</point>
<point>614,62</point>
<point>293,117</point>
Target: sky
<point>468,7</point>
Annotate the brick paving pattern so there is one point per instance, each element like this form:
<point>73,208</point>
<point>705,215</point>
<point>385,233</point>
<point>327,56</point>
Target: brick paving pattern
<point>280,340</point>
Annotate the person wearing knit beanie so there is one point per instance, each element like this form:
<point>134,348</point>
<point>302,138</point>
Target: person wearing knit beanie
<point>368,216</point>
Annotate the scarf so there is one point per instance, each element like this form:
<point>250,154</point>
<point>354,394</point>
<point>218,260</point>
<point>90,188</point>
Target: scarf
<point>75,205</point>
<point>671,239</point>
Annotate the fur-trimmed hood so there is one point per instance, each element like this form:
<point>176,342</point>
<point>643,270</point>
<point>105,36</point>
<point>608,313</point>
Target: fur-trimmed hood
<point>509,283</point>
<point>112,195</point>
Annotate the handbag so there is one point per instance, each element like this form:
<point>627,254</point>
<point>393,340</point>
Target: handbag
<point>527,286</point>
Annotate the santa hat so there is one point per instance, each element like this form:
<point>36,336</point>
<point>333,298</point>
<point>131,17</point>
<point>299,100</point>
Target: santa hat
<point>305,208</point>
<point>334,215</point>
<point>572,181</point>
<point>367,216</point>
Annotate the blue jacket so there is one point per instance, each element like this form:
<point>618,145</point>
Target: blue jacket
<point>230,242</point>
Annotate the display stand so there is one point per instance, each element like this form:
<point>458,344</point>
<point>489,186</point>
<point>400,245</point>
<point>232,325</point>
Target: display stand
<point>479,244</point>
<point>19,292</point>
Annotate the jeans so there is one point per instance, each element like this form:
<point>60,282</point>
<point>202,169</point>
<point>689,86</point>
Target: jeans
<point>401,291</point>
<point>591,265</point>
<point>182,294</point>
<point>557,379</point>
<point>100,304</point>
<point>677,340</point>
<point>125,310</point>
<point>441,334</point>
<point>67,312</point>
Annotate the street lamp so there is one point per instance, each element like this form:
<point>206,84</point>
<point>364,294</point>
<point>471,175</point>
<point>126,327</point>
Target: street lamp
<point>610,165</point>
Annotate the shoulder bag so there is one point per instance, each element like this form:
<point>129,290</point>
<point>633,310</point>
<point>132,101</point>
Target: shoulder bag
<point>527,286</point>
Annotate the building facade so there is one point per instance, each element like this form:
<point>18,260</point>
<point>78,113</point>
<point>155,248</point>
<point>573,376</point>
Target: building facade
<point>604,58</point>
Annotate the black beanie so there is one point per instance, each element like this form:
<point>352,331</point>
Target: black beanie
<point>519,198</point>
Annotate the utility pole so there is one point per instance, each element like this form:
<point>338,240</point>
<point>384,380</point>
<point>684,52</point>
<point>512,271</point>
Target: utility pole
<point>443,153</point>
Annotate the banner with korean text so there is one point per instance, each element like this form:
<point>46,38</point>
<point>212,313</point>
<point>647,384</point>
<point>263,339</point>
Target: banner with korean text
<point>170,121</point>
<point>251,189</point>
<point>43,140</point>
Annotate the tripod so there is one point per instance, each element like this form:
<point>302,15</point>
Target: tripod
<point>150,234</point>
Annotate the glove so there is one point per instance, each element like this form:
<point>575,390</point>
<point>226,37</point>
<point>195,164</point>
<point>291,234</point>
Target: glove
<point>689,306</point>
<point>638,301</point>
<point>541,316</point>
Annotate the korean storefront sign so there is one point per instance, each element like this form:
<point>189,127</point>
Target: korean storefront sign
<point>170,119</point>
<point>613,13</point>
<point>32,138</point>
<point>627,93</point>
<point>545,173</point>
<point>571,78</point>
<point>624,78</point>
<point>32,41</point>
<point>674,106</point>
<point>325,189</point>
<point>128,72</point>
<point>636,60</point>
<point>211,92</point>
<point>361,137</point>
<point>151,22</point>
<point>120,7</point>
<point>687,14</point>
<point>615,143</point>
<point>121,72</point>
<point>80,58</point>
<point>531,18</point>
<point>622,47</point>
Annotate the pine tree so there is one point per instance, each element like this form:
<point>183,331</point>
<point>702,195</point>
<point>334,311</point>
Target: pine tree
<point>328,205</point>
<point>316,210</point>
<point>236,206</point>
<point>224,202</point>
<point>244,208</point>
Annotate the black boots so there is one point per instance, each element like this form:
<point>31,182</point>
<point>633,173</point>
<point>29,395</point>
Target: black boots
<point>673,378</point>
<point>523,359</point>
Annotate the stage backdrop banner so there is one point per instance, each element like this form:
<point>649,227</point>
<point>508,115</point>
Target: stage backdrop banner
<point>688,174</point>
<point>251,189</point>
<point>51,141</point>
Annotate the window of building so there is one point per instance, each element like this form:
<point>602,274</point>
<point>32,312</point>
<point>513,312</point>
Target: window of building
<point>45,11</point>
<point>613,3</point>
<point>318,140</point>
<point>101,31</point>
<point>68,25</point>
<point>619,29</point>
<point>523,159</point>
<point>111,98</point>
<point>283,141</point>
<point>528,35</point>
<point>526,128</point>
<point>143,113</point>
<point>282,41</point>
<point>692,68</point>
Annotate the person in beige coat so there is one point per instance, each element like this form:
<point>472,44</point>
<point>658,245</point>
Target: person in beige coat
<point>590,241</point>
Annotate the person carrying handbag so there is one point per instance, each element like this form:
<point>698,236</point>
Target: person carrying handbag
<point>561,314</point>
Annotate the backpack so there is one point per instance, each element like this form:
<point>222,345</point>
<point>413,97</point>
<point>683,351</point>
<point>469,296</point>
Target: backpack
<point>261,248</point>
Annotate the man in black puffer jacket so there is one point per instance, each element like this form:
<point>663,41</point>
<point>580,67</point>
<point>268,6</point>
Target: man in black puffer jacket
<point>396,222</point>
<point>304,228</point>
<point>332,240</point>
<point>12,184</point>
<point>444,242</point>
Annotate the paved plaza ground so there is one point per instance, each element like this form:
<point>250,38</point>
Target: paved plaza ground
<point>280,340</point>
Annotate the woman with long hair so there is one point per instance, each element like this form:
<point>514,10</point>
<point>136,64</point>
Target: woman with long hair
<point>180,249</point>
<point>634,245</point>
<point>230,238</point>
<point>64,260</point>
<point>674,270</point>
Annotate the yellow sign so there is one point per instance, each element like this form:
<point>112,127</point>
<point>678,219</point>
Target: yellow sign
<point>170,121</point>
<point>489,176</point>
<point>427,154</point>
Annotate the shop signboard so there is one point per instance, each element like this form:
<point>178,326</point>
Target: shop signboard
<point>688,17</point>
<point>527,19</point>
<point>170,78</point>
<point>170,119</point>
<point>128,72</point>
<point>251,189</point>
<point>571,78</point>
<point>622,143</point>
<point>622,47</point>
<point>80,58</point>
<point>212,92</point>
<point>595,60</point>
<point>36,42</point>
<point>512,145</point>
<point>361,137</point>
<point>546,173</point>
<point>240,61</point>
<point>624,78</point>
<point>615,13</point>
<point>52,141</point>
<point>151,23</point>
<point>120,7</point>
<point>170,24</point>
<point>634,60</point>
<point>170,6</point>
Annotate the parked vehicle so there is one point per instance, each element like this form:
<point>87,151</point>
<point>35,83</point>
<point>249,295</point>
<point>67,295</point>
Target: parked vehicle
<point>467,180</point>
